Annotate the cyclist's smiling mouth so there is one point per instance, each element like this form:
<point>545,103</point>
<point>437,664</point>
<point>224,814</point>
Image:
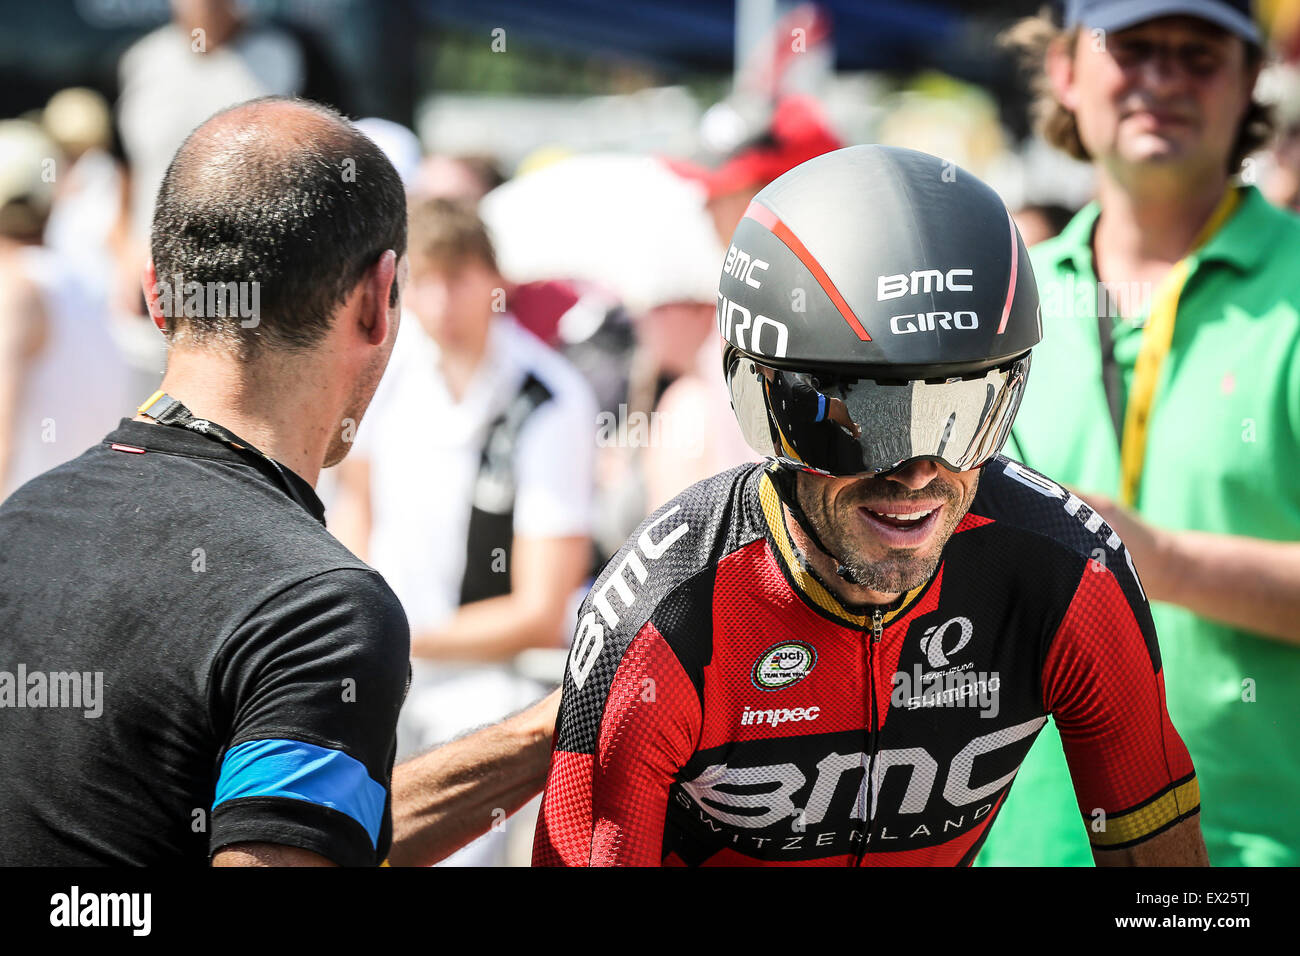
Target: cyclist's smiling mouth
<point>902,524</point>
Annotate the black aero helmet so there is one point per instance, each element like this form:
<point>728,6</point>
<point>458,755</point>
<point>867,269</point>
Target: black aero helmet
<point>879,307</point>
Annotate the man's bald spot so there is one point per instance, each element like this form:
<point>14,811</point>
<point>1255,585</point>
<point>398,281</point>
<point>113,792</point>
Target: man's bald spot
<point>261,139</point>
<point>283,196</point>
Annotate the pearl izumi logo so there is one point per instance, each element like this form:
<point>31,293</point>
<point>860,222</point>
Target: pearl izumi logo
<point>932,640</point>
<point>783,665</point>
<point>943,685</point>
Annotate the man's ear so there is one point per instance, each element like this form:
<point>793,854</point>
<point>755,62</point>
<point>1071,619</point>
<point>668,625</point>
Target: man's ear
<point>1059,64</point>
<point>153,296</point>
<point>381,282</point>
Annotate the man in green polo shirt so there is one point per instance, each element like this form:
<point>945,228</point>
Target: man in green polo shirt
<point>1166,393</point>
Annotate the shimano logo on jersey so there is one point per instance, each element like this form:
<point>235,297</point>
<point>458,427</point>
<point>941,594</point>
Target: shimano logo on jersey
<point>923,280</point>
<point>779,715</point>
<point>951,688</point>
<point>929,321</point>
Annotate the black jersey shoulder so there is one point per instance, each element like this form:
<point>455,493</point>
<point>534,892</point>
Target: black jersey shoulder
<point>151,568</point>
<point>1057,536</point>
<point>663,573</point>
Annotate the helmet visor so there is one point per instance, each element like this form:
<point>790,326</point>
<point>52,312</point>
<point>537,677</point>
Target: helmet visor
<point>843,426</point>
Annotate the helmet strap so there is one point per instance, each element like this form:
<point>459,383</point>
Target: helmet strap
<point>785,480</point>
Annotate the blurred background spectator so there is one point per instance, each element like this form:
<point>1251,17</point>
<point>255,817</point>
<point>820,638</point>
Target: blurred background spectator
<point>1164,393</point>
<point>62,384</point>
<point>469,489</point>
<point>609,156</point>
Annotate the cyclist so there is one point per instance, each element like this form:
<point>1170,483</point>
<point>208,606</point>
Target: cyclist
<point>841,656</point>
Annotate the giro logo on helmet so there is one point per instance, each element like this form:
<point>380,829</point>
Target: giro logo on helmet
<point>924,280</point>
<point>929,321</point>
<point>734,320</point>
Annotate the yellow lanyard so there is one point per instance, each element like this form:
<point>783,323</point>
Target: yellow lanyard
<point>1156,340</point>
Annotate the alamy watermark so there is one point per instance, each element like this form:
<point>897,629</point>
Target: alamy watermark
<point>957,687</point>
<point>210,300</point>
<point>74,908</point>
<point>1080,298</point>
<point>77,690</point>
<point>636,429</point>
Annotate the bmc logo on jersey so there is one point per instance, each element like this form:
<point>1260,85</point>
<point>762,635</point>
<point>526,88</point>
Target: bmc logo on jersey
<point>759,797</point>
<point>932,640</point>
<point>589,640</point>
<point>923,280</point>
<point>783,665</point>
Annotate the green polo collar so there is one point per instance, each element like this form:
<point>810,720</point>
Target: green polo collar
<point>1243,241</point>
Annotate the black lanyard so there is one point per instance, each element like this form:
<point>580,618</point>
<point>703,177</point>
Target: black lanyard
<point>165,410</point>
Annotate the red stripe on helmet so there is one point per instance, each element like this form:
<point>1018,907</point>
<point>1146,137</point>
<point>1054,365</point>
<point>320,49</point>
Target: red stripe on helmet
<point>1011,283</point>
<point>766,218</point>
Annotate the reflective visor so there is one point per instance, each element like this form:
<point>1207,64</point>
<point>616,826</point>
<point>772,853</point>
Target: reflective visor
<point>847,426</point>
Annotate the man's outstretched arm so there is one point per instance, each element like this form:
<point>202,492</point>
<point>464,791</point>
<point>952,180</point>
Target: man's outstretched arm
<point>445,798</point>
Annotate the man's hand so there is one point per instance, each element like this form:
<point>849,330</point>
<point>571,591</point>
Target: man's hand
<point>447,797</point>
<point>838,412</point>
<point>1150,547</point>
<point>544,573</point>
<point>1248,583</point>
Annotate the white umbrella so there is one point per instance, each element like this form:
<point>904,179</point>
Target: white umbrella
<point>627,223</point>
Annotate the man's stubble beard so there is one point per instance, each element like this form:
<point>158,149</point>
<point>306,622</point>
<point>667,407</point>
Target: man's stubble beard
<point>904,569</point>
<point>362,393</point>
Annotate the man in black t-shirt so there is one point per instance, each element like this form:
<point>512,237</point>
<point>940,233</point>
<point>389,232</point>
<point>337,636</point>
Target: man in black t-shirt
<point>191,667</point>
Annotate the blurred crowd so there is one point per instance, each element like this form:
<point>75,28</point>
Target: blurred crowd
<point>556,376</point>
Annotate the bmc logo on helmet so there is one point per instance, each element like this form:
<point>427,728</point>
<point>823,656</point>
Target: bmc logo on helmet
<point>740,265</point>
<point>925,280</point>
<point>929,321</point>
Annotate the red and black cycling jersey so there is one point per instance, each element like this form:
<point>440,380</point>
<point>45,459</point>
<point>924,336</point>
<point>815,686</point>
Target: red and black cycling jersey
<point>722,706</point>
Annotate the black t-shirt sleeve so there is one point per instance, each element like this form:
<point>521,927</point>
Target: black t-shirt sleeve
<point>306,694</point>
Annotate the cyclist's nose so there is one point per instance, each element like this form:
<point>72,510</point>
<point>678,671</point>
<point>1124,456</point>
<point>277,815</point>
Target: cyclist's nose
<point>916,475</point>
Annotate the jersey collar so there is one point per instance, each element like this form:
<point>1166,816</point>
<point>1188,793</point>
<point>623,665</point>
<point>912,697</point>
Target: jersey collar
<point>187,444</point>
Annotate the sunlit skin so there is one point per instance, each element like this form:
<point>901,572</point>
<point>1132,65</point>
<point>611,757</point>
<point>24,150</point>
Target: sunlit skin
<point>1160,102</point>
<point>672,334</point>
<point>453,301</point>
<point>368,381</point>
<point>835,508</point>
<point>727,210</point>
